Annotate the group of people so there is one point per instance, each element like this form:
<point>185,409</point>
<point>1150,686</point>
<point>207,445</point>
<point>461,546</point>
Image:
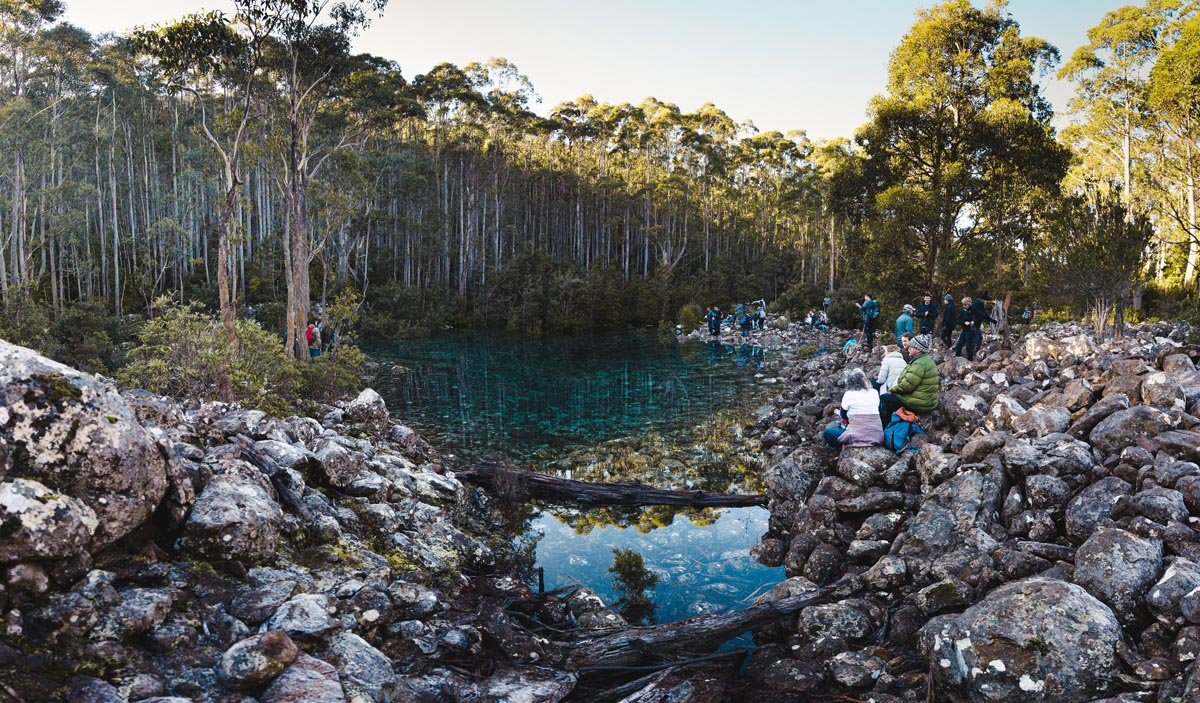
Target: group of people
<point>905,388</point>
<point>930,319</point>
<point>819,320</point>
<point>743,317</point>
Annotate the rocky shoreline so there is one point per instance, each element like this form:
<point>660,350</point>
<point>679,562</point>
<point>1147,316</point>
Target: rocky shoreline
<point>1040,545</point>
<point>165,552</point>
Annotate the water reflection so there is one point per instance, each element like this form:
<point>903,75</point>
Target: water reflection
<point>524,398</point>
<point>700,568</point>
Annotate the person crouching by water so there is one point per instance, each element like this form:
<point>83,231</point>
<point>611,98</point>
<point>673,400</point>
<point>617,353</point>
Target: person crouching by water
<point>860,425</point>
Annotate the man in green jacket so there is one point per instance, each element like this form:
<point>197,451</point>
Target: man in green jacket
<point>918,385</point>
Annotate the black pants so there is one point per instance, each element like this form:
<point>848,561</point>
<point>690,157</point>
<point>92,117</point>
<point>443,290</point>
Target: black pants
<point>888,404</point>
<point>869,333</point>
<point>968,342</point>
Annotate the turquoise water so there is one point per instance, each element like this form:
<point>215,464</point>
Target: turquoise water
<point>609,408</point>
<point>522,398</point>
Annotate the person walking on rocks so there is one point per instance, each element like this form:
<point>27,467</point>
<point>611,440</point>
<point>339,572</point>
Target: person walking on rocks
<point>904,323</point>
<point>927,313</point>
<point>949,321</point>
<point>870,312</point>
<point>712,317</point>
<point>860,426</point>
<point>918,385</point>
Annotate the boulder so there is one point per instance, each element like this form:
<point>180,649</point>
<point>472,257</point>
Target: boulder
<point>235,516</point>
<point>1162,390</point>
<point>1092,506</point>
<point>1097,413</point>
<point>1124,428</point>
<point>1037,640</point>
<point>793,477</point>
<point>307,680</point>
<point>1180,578</point>
<point>306,617</point>
<point>38,523</point>
<point>364,668</point>
<point>1182,444</point>
<point>254,662</point>
<point>1118,567</point>
<point>76,436</point>
<point>964,411</point>
<point>864,465</point>
<point>934,465</point>
<point>1003,411</point>
<point>369,409</point>
<point>1041,420</point>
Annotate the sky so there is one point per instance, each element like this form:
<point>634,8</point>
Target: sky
<point>783,64</point>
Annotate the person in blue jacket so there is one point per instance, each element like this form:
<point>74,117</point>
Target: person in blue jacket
<point>904,324</point>
<point>870,312</point>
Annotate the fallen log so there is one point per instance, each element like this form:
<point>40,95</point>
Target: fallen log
<point>633,645</point>
<point>531,484</point>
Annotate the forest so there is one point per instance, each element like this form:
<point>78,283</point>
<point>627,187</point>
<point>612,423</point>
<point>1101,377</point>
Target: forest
<point>252,166</point>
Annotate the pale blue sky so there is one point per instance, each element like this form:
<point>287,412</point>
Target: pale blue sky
<point>803,64</point>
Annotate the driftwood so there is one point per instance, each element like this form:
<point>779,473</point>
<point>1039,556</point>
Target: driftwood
<point>542,486</point>
<point>628,647</point>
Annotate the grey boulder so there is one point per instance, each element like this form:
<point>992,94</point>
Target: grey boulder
<point>1037,640</point>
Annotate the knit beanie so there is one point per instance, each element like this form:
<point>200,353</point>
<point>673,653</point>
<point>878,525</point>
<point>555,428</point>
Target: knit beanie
<point>921,343</point>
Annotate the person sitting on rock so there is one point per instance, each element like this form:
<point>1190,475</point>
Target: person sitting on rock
<point>860,426</point>
<point>918,385</point>
<point>889,371</point>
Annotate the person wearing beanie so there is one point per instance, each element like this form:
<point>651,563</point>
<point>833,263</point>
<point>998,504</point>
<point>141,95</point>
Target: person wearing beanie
<point>949,320</point>
<point>918,385</point>
<point>904,323</point>
<point>927,313</point>
<point>972,316</point>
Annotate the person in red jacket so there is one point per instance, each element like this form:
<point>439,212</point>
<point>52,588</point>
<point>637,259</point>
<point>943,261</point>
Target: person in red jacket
<point>312,335</point>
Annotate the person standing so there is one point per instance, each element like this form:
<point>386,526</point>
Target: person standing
<point>927,313</point>
<point>870,312</point>
<point>761,322</point>
<point>970,327</point>
<point>904,323</point>
<point>949,320</point>
<point>312,335</point>
<point>710,316</point>
<point>825,304</point>
<point>918,385</point>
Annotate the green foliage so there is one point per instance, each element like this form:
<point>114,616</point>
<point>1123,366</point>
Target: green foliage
<point>333,375</point>
<point>632,579</point>
<point>690,316</point>
<point>182,353</point>
<point>1093,258</point>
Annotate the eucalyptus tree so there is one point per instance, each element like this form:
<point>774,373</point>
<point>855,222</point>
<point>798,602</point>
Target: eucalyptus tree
<point>205,54</point>
<point>1173,93</point>
<point>963,110</point>
<point>307,53</point>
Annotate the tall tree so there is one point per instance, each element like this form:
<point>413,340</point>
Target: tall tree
<point>195,52</point>
<point>964,114</point>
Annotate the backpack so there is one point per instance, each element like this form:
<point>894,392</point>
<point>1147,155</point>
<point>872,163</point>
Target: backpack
<point>874,309</point>
<point>899,433</point>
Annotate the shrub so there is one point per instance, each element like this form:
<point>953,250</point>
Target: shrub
<point>333,375</point>
<point>182,353</point>
<point>690,317</point>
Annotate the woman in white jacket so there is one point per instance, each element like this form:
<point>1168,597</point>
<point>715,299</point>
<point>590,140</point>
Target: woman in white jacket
<point>889,372</point>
